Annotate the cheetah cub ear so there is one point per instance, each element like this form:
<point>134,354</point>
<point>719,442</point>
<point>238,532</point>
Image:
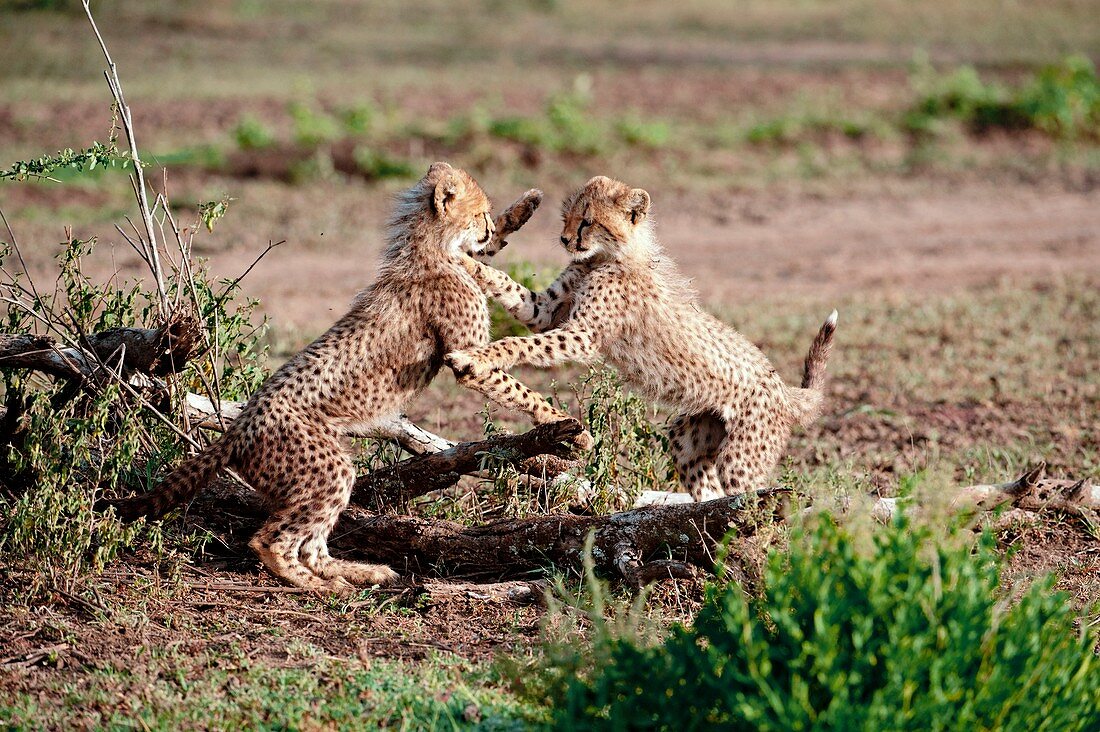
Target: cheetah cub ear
<point>448,187</point>
<point>637,203</point>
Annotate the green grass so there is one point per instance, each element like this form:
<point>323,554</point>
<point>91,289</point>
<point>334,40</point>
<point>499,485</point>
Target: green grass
<point>171,691</point>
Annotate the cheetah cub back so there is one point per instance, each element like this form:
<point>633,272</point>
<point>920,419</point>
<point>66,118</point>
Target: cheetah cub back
<point>288,442</point>
<point>623,300</point>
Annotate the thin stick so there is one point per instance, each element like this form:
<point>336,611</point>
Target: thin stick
<point>234,283</point>
<point>138,179</point>
<point>19,254</point>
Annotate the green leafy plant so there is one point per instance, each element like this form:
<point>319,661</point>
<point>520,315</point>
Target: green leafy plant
<point>631,452</point>
<point>252,134</point>
<point>68,444</point>
<point>899,630</point>
<point>1064,99</point>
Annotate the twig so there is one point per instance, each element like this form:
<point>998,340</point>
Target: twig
<point>138,178</point>
<point>19,254</point>
<point>229,287</point>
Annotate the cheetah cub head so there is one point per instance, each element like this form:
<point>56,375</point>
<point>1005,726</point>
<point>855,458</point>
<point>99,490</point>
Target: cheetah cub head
<point>459,210</point>
<point>603,219</point>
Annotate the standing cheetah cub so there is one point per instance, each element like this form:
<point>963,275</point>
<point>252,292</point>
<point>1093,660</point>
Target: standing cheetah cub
<point>623,299</point>
<point>287,443</point>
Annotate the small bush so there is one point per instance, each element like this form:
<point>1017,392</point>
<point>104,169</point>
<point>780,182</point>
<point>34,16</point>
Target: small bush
<point>358,119</point>
<point>907,635</point>
<point>251,134</point>
<point>312,126</point>
<point>377,165</point>
<point>1062,100</point>
<point>641,132</point>
<point>74,444</point>
<point>631,453</point>
<point>566,125</point>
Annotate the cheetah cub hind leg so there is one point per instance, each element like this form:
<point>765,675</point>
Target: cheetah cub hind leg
<point>315,556</point>
<point>293,544</point>
<point>279,548</point>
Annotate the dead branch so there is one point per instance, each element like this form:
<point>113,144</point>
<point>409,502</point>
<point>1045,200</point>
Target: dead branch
<point>149,245</point>
<point>639,545</point>
<point>155,352</point>
<point>1031,492</point>
<point>434,471</point>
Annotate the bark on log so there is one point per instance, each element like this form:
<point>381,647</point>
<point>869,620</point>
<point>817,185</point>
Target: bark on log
<point>639,545</point>
<point>382,489</point>
<point>155,352</point>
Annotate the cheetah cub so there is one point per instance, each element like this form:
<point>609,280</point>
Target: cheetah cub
<point>287,443</point>
<point>623,300</point>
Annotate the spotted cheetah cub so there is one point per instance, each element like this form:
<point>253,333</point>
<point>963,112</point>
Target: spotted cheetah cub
<point>623,300</point>
<point>287,443</point>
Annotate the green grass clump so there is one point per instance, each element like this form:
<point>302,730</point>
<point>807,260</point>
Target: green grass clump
<point>1061,100</point>
<point>251,134</point>
<point>907,633</point>
<point>235,693</point>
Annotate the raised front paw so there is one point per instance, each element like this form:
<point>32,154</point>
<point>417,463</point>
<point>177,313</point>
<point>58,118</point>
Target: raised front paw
<point>468,263</point>
<point>464,365</point>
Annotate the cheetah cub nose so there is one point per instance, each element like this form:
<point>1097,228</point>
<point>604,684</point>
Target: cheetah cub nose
<point>564,240</point>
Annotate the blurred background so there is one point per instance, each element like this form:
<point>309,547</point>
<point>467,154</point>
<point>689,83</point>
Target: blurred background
<point>928,168</point>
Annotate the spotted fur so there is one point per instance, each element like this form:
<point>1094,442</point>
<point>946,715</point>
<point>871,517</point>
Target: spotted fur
<point>287,443</point>
<point>622,299</point>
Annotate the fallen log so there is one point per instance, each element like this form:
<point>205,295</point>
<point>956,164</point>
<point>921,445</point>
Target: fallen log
<point>150,351</point>
<point>381,489</point>
<point>639,546</point>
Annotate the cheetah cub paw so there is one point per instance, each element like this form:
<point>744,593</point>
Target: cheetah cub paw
<point>465,366</point>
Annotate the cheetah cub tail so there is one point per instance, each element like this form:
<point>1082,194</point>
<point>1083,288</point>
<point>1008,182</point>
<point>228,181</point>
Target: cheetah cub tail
<point>807,400</point>
<point>181,485</point>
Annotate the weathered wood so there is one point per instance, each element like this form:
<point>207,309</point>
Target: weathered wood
<point>395,485</point>
<point>639,545</point>
<point>155,352</point>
